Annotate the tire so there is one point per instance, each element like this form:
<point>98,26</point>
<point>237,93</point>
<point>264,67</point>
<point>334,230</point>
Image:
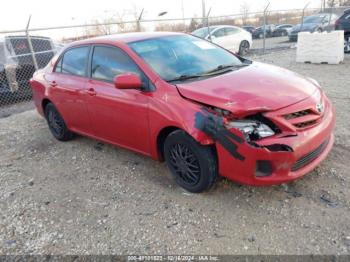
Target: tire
<point>56,124</point>
<point>283,33</point>
<point>319,30</point>
<point>193,166</point>
<point>261,35</point>
<point>244,47</point>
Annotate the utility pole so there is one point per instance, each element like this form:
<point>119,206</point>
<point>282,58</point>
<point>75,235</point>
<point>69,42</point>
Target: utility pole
<point>204,13</point>
<point>183,10</point>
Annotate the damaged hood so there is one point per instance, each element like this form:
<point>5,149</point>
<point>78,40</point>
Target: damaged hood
<point>256,88</point>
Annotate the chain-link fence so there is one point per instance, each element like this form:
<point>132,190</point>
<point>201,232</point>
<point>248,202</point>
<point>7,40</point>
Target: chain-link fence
<point>20,57</point>
<point>22,52</point>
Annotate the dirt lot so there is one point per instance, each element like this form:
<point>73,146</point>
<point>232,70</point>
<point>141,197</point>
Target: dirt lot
<point>83,197</point>
<point>271,43</point>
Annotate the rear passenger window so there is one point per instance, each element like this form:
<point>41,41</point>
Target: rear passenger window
<point>74,61</point>
<point>231,31</point>
<point>108,62</point>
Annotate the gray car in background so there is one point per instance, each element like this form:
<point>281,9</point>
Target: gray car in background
<point>315,23</point>
<point>17,65</point>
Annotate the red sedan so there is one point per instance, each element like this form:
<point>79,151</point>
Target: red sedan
<point>202,109</point>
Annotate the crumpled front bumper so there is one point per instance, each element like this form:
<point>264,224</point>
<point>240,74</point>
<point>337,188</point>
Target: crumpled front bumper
<point>311,143</point>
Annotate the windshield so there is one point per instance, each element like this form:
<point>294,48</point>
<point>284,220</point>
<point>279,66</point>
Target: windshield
<point>175,56</point>
<point>314,19</point>
<point>203,32</point>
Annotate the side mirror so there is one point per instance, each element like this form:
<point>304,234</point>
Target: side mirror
<point>127,81</point>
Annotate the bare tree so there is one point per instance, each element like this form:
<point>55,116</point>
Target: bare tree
<point>334,3</point>
<point>245,12</point>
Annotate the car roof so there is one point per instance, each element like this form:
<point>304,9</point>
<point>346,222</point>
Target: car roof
<point>215,27</point>
<point>125,37</point>
<point>223,26</point>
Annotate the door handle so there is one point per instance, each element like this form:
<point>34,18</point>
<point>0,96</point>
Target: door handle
<point>53,83</point>
<point>91,92</point>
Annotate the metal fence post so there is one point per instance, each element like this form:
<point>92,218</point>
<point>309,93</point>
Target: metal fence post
<point>208,25</point>
<point>138,22</point>
<point>35,63</point>
<point>264,27</point>
<point>302,17</point>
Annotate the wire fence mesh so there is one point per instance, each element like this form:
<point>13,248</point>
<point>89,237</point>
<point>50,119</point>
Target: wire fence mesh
<point>22,52</point>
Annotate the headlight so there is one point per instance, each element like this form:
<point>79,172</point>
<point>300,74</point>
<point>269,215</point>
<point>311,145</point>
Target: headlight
<point>252,129</point>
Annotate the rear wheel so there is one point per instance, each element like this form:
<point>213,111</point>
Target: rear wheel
<point>193,166</point>
<point>244,47</point>
<point>56,124</point>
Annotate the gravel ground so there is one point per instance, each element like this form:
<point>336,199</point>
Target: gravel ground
<point>84,197</point>
<point>10,109</point>
<point>271,43</point>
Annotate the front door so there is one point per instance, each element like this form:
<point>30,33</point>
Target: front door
<point>118,116</point>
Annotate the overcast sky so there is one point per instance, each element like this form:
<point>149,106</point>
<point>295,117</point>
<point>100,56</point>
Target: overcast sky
<point>14,14</point>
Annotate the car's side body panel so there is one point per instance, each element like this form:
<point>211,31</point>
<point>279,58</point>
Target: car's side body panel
<point>134,119</point>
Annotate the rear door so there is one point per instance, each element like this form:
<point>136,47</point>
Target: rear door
<point>234,38</point>
<point>118,116</point>
<point>68,88</point>
<point>220,38</point>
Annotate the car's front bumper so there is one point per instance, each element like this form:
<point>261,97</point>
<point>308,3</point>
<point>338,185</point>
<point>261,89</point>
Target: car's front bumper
<point>309,147</point>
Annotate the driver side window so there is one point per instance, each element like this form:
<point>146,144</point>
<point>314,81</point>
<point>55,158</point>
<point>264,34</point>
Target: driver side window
<point>108,62</point>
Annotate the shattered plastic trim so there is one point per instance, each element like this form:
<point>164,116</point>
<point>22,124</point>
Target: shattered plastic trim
<point>213,126</point>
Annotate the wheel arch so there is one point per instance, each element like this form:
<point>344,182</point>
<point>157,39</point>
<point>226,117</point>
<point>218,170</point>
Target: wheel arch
<point>44,103</point>
<point>165,131</point>
<point>161,137</point>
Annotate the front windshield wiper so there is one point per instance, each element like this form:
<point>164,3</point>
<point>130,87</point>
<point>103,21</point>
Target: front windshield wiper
<point>218,69</point>
<point>223,67</point>
<point>183,78</point>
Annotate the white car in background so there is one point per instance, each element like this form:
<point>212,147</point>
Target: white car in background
<point>229,37</point>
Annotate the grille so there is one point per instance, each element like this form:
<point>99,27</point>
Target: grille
<point>297,114</point>
<point>302,119</point>
<point>308,158</point>
<point>305,124</point>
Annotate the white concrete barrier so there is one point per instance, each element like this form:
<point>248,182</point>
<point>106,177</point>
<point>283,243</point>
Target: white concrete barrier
<point>320,48</point>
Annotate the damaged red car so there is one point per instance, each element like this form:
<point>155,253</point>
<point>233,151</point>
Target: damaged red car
<point>174,97</point>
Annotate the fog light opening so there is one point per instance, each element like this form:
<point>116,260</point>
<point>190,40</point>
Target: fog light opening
<point>263,168</point>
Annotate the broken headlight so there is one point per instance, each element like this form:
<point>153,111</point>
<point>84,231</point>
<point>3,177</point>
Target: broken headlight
<point>251,129</point>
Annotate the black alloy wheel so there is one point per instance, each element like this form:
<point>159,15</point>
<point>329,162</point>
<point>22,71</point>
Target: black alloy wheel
<point>193,166</point>
<point>185,164</point>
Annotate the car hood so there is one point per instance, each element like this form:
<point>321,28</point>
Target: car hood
<point>256,88</point>
<point>306,27</point>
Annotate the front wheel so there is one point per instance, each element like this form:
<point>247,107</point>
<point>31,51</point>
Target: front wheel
<point>193,166</point>
<point>244,47</point>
